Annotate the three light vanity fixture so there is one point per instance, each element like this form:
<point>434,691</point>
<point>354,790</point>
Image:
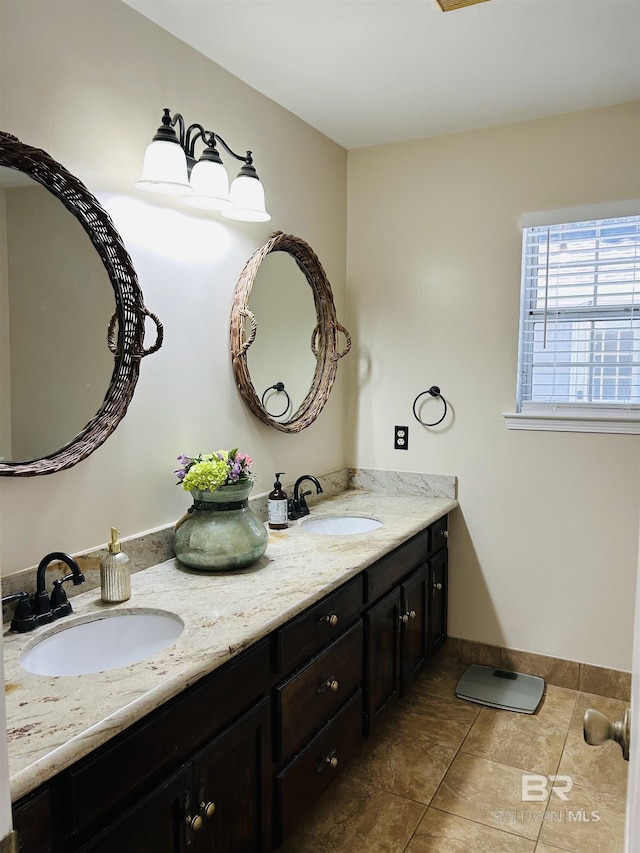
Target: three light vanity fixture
<point>170,167</point>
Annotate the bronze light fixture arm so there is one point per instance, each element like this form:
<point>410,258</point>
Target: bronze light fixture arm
<point>201,182</point>
<point>188,136</point>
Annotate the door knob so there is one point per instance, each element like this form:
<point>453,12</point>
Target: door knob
<point>598,729</point>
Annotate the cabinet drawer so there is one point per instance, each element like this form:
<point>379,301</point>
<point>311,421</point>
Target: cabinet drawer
<point>438,535</point>
<point>300,784</point>
<point>390,570</point>
<point>310,697</point>
<point>322,622</point>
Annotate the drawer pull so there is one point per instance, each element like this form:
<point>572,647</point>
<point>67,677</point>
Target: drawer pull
<point>194,823</point>
<point>437,586</point>
<point>330,684</point>
<point>410,615</point>
<point>207,809</point>
<point>329,619</point>
<point>329,760</point>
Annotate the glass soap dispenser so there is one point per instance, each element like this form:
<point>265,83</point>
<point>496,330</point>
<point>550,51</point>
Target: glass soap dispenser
<point>115,576</point>
<point>278,506</point>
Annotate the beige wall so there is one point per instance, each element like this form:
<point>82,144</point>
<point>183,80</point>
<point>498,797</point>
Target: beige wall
<point>92,93</point>
<point>543,549</point>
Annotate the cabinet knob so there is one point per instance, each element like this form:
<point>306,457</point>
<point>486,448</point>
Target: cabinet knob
<point>331,619</point>
<point>330,684</point>
<point>194,823</point>
<point>406,616</point>
<point>598,729</point>
<point>445,534</point>
<point>329,761</point>
<point>208,809</point>
<point>437,586</point>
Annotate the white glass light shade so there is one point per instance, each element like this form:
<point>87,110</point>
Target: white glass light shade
<point>210,184</point>
<point>164,169</point>
<point>247,200</point>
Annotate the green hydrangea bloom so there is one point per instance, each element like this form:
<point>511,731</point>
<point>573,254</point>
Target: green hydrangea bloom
<point>206,475</point>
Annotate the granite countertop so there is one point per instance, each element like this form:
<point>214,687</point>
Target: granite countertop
<point>54,721</point>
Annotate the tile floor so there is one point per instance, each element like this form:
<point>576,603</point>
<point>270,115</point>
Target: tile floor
<point>443,775</point>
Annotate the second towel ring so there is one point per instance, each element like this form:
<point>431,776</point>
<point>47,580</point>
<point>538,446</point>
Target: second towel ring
<point>435,392</point>
<point>279,387</point>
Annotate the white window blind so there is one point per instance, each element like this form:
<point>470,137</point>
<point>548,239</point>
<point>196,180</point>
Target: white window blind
<point>580,317</point>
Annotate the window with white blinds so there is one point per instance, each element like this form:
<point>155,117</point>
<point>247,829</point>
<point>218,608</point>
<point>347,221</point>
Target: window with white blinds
<point>580,317</point>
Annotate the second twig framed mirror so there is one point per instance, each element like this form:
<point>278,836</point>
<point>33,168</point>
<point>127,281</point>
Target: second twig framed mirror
<point>301,350</point>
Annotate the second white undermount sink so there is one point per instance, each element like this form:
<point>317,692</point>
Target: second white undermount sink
<point>102,642</point>
<point>340,525</point>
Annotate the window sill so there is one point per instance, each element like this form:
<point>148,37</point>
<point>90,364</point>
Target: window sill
<point>627,423</point>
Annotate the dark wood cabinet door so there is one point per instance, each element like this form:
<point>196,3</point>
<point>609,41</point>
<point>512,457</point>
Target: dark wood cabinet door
<point>33,821</point>
<point>232,786</point>
<point>415,619</point>
<point>157,824</point>
<point>382,656</point>
<point>438,583</point>
<point>144,755</point>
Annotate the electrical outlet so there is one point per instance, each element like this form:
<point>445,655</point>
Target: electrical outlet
<point>401,438</point>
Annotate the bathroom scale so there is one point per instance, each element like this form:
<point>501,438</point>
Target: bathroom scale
<point>500,688</point>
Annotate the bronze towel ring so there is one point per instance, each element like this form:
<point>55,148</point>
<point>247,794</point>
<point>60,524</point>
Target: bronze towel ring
<point>435,392</point>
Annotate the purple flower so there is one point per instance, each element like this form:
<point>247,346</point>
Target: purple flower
<point>235,471</point>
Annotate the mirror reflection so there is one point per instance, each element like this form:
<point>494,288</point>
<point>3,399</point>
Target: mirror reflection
<point>293,330</point>
<point>283,305</point>
<point>56,301</point>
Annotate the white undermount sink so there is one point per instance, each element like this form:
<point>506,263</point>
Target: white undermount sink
<point>101,642</point>
<point>340,525</point>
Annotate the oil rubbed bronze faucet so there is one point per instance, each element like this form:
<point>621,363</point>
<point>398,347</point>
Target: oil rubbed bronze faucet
<point>298,505</point>
<point>40,610</point>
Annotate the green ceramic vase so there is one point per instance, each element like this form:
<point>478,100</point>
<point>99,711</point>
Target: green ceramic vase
<point>220,533</point>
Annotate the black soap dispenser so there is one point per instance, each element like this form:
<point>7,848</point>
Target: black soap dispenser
<point>277,513</point>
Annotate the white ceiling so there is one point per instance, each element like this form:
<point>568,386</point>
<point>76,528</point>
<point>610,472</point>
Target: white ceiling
<point>366,72</point>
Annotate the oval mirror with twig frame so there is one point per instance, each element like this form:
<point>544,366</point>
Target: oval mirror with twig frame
<point>122,330</point>
<point>323,338</point>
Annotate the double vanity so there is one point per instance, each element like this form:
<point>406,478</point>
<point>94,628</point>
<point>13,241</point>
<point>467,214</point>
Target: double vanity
<point>209,711</point>
<point>225,737</point>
